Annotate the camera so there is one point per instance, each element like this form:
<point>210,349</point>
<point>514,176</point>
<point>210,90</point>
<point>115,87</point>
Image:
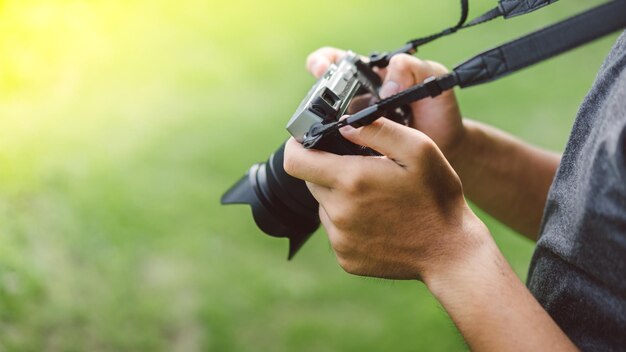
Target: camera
<point>282,206</point>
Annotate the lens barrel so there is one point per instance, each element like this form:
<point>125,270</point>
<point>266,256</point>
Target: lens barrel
<point>282,205</point>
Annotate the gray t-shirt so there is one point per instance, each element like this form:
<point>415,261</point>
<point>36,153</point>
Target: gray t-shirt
<point>578,271</point>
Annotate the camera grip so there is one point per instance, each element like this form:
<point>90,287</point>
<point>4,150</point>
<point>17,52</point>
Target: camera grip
<point>334,142</point>
<point>331,140</point>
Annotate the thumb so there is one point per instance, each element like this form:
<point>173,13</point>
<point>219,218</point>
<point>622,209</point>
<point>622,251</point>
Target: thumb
<point>318,61</point>
<point>400,143</point>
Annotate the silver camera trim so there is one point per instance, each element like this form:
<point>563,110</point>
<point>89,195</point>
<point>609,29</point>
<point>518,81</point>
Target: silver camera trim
<point>343,80</point>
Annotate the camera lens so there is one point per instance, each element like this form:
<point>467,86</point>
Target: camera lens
<point>282,205</point>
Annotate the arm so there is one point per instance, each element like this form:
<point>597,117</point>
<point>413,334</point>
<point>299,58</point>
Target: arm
<point>493,309</point>
<point>404,216</point>
<point>504,176</point>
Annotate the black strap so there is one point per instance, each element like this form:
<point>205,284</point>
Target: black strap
<point>496,63</point>
<point>464,13</point>
<point>382,60</point>
<point>506,9</point>
<point>512,8</point>
<point>543,44</point>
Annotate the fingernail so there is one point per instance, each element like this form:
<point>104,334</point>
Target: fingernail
<point>347,128</point>
<point>388,89</point>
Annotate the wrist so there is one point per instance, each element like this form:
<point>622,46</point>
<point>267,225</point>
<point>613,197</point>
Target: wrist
<point>476,259</point>
<point>465,155</point>
<point>466,142</point>
<point>491,307</point>
<point>456,150</point>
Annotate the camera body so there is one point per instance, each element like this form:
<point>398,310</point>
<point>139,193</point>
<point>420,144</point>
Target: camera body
<point>282,205</point>
<point>331,96</point>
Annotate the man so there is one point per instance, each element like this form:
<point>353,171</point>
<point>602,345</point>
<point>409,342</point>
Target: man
<point>404,215</point>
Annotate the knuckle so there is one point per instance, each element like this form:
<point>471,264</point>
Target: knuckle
<point>421,146</point>
<point>403,61</point>
<point>374,130</point>
<point>437,68</point>
<point>289,164</point>
<point>322,51</point>
<point>342,219</point>
<point>345,216</point>
<point>428,145</point>
<point>315,56</point>
<point>355,183</point>
<point>349,266</point>
<point>386,127</point>
<point>341,245</point>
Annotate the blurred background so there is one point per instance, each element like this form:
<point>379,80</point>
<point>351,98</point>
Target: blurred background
<point>121,124</point>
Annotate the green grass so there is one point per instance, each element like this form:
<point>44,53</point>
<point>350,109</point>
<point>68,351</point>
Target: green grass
<point>122,122</point>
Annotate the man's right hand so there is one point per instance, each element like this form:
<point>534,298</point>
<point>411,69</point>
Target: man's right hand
<point>359,209</point>
<point>439,118</point>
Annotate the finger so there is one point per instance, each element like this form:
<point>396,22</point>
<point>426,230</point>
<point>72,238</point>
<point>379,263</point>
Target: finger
<point>315,166</point>
<point>405,70</point>
<point>331,231</point>
<point>399,143</point>
<point>318,61</point>
<point>320,193</point>
<point>360,102</point>
<point>381,72</point>
<point>324,218</point>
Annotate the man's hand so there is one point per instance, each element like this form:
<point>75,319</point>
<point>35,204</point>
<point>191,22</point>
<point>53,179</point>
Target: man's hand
<point>403,216</point>
<point>439,118</point>
<point>399,216</point>
<point>504,176</point>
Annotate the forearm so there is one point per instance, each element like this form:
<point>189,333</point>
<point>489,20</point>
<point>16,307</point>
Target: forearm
<point>504,176</point>
<point>492,308</point>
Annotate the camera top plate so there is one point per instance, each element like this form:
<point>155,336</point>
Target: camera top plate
<point>330,97</point>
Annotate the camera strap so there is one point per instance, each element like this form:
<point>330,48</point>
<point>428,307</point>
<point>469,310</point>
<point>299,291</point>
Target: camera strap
<point>505,9</point>
<point>495,63</point>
